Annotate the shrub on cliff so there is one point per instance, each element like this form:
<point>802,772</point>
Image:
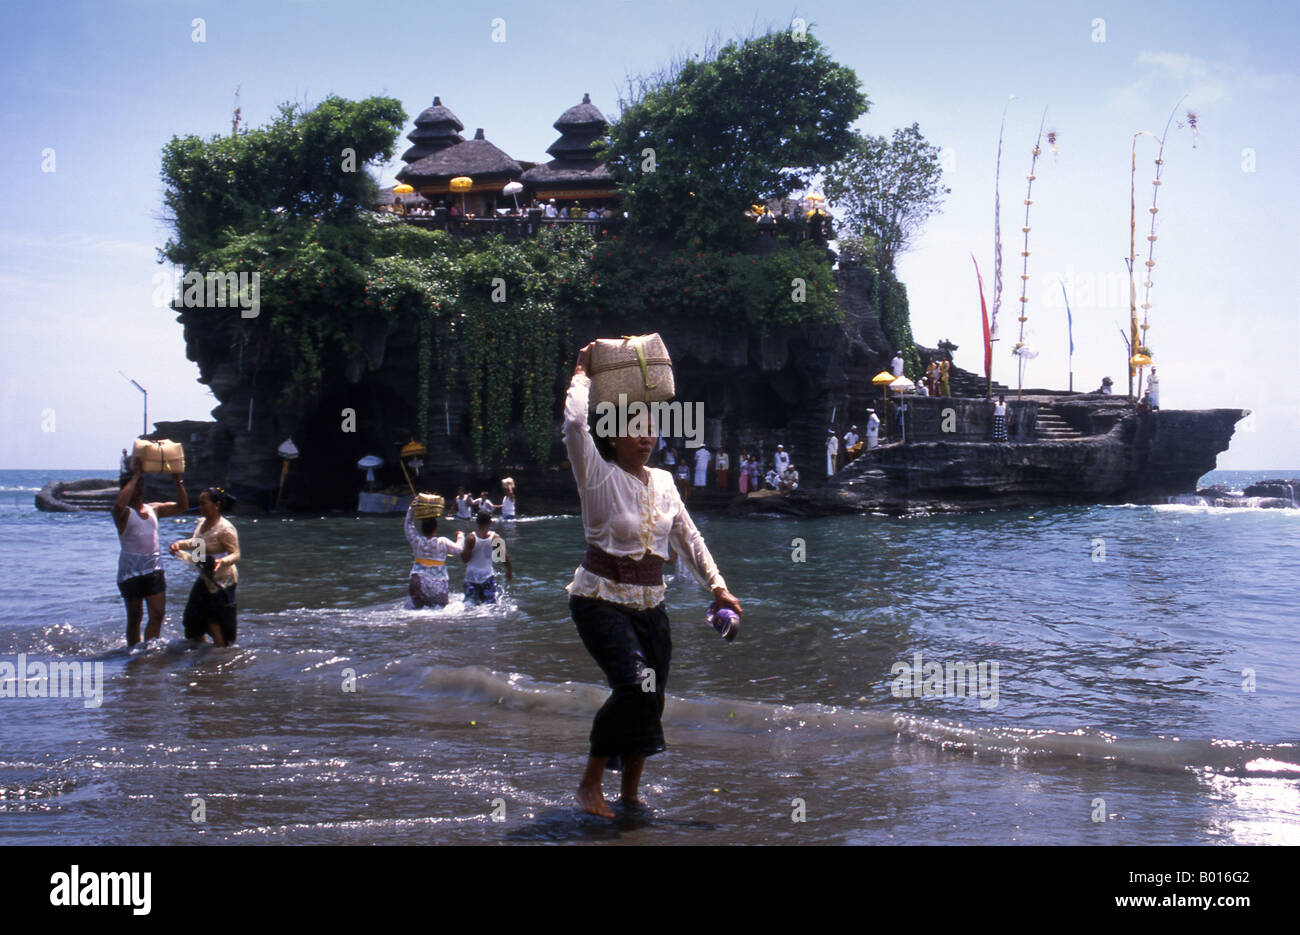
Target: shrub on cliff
<point>696,145</point>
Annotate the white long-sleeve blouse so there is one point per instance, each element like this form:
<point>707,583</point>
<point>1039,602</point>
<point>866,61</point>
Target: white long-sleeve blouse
<point>626,517</point>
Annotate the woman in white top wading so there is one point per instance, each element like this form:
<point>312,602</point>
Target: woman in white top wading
<point>633,519</point>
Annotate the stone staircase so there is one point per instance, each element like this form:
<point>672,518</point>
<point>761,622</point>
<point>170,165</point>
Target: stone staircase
<point>963,383</point>
<point>1050,427</point>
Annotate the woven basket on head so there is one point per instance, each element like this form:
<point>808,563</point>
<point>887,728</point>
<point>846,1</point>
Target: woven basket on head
<point>160,457</point>
<point>428,506</point>
<point>637,367</point>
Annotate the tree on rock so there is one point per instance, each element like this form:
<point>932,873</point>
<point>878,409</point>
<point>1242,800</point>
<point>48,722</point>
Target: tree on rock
<point>698,144</point>
<point>888,189</point>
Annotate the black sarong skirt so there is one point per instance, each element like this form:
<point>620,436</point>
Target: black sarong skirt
<point>633,648</point>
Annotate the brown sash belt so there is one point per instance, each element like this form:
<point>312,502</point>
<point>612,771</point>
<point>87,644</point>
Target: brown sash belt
<point>647,570</point>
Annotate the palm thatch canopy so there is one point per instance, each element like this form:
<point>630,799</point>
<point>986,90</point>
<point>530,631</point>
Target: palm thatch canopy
<point>488,166</point>
<point>574,168</point>
<point>435,129</point>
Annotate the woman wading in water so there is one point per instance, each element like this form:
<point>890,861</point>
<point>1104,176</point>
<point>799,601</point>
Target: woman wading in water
<point>633,519</point>
<point>211,609</point>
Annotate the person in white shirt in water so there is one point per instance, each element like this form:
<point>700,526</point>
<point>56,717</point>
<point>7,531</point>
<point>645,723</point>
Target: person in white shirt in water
<point>633,519</point>
<point>140,577</point>
<point>463,504</point>
<point>508,498</point>
<point>479,552</point>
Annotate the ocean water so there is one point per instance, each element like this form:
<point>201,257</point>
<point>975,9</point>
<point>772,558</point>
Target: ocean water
<point>1134,678</point>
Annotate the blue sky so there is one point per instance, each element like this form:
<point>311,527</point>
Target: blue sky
<point>105,85</point>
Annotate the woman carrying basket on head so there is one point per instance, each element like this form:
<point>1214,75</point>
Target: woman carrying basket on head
<point>633,519</point>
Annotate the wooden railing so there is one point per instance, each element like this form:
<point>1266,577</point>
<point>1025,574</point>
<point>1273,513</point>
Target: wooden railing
<point>513,227</point>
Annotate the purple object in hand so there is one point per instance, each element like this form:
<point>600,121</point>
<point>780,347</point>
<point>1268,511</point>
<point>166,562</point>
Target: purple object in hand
<point>725,620</point>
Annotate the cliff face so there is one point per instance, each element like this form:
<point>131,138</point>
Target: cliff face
<point>757,392</point>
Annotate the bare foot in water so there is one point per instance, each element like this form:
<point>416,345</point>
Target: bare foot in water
<point>592,801</point>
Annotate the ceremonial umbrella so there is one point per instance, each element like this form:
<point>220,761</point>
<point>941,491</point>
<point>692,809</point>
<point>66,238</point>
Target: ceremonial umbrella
<point>882,380</point>
<point>287,452</point>
<point>462,184</point>
<point>513,189</point>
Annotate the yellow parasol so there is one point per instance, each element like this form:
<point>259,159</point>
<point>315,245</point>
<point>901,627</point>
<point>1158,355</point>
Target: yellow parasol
<point>882,380</point>
<point>402,189</point>
<point>462,184</point>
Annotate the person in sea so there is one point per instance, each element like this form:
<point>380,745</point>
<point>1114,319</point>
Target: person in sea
<point>508,498</point>
<point>429,585</point>
<point>463,504</point>
<point>633,518</point>
<point>1000,420</point>
<point>210,611</point>
<point>480,551</point>
<point>140,578</point>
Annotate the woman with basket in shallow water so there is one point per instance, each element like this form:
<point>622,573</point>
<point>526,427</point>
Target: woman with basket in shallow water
<point>633,519</point>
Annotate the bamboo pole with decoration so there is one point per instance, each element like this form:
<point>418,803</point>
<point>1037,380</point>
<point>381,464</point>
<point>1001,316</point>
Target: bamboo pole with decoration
<point>1020,350</point>
<point>1139,346</point>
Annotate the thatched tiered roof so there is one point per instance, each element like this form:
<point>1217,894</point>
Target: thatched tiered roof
<point>435,129</point>
<point>488,166</point>
<point>574,171</point>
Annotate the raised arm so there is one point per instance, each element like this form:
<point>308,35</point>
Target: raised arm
<point>124,496</point>
<point>179,505</point>
<point>589,468</point>
<point>457,546</point>
<point>408,527</point>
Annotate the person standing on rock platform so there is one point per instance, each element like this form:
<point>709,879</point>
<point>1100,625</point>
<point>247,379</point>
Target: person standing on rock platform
<point>722,470</point>
<point>1153,386</point>
<point>932,377</point>
<point>832,452</point>
<point>1000,420</point>
<point>781,459</point>
<point>896,365</point>
<point>140,577</point>
<point>633,520</point>
<point>852,444</point>
<point>873,429</point>
<point>944,368</point>
<point>702,458</point>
